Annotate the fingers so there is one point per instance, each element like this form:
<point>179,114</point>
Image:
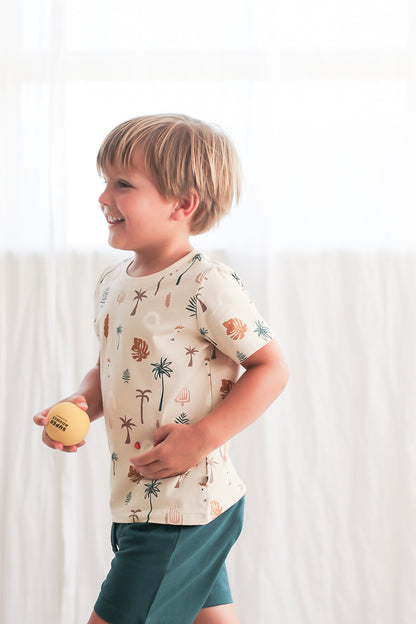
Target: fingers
<point>41,419</point>
<point>80,401</point>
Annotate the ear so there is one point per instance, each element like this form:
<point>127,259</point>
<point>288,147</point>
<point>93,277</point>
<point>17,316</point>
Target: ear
<point>186,207</point>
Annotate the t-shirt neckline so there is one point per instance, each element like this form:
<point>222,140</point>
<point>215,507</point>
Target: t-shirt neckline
<point>155,276</point>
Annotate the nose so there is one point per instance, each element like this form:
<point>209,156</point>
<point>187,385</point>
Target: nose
<point>105,198</point>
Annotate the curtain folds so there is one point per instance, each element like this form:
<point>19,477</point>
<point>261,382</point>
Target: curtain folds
<point>330,468</point>
<point>320,99</point>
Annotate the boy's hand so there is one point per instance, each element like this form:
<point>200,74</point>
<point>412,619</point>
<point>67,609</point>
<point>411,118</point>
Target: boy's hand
<point>41,419</point>
<point>177,448</point>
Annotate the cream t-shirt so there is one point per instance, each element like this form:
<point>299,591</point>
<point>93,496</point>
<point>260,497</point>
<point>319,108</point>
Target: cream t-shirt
<point>171,345</point>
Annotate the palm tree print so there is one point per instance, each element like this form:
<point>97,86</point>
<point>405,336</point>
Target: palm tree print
<point>142,395</point>
<point>119,329</point>
<point>191,307</point>
<point>159,371</point>
<point>204,332</point>
<point>151,489</point>
<point>194,259</point>
<point>114,458</point>
<point>128,425</point>
<point>134,516</point>
<point>140,295</point>
<point>262,330</point>
<point>191,351</point>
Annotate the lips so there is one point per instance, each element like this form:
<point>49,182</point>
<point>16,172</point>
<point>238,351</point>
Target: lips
<point>112,220</point>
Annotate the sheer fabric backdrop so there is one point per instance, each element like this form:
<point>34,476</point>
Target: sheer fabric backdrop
<point>320,99</point>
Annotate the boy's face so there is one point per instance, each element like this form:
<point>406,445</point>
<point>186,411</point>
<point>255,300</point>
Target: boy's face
<point>139,218</point>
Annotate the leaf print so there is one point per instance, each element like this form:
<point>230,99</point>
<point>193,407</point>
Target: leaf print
<point>139,350</point>
<point>182,419</point>
<point>106,324</point>
<point>104,297</point>
<point>134,476</point>
<point>191,307</point>
<point>158,285</point>
<point>140,295</point>
<point>237,279</point>
<point>241,356</point>
<point>126,376</point>
<point>235,328</point>
<point>216,508</point>
<point>226,385</point>
<point>128,498</point>
<point>167,300</point>
<point>262,330</point>
<point>119,330</point>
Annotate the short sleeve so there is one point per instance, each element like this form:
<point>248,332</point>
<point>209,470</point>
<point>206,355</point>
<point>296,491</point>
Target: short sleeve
<point>227,317</point>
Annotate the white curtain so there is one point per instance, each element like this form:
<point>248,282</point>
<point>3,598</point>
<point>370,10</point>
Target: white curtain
<point>320,99</point>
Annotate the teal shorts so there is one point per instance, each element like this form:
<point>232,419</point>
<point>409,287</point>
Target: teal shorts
<point>164,574</point>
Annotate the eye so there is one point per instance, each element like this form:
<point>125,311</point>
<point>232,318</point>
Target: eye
<point>123,184</point>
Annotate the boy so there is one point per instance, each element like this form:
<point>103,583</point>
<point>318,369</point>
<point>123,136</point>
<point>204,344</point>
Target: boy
<point>174,328</point>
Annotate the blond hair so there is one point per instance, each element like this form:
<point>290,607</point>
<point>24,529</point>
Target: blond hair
<point>181,154</point>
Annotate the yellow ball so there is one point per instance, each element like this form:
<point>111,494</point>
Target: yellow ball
<point>68,423</point>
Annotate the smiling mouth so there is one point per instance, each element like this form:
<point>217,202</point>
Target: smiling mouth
<point>114,220</point>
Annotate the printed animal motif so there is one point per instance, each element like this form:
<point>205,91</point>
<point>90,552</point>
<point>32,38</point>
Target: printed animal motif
<point>235,328</point>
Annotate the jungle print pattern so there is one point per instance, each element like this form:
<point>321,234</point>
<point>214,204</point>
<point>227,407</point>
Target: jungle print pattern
<point>171,345</point>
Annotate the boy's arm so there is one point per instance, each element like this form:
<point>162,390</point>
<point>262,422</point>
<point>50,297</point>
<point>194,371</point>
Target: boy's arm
<point>87,397</point>
<point>179,447</point>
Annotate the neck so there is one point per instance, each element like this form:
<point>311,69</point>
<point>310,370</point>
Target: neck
<point>148,262</point>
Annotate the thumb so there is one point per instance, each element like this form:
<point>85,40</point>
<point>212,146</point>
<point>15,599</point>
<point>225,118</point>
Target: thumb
<point>160,434</point>
<point>81,402</point>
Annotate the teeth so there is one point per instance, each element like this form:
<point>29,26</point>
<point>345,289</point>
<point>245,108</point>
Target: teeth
<point>114,219</point>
